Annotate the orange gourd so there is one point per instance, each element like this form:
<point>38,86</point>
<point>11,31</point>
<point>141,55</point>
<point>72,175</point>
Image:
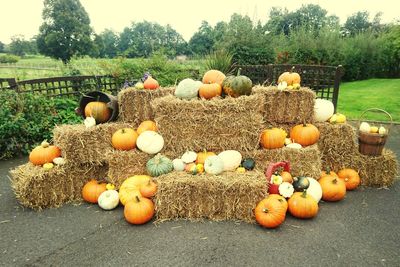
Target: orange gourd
<point>147,126</point>
<point>139,210</point>
<point>290,77</point>
<point>270,213</point>
<point>287,177</point>
<point>124,139</point>
<point>303,205</point>
<point>92,190</point>
<point>214,76</point>
<point>201,156</point>
<point>304,134</point>
<point>208,91</point>
<point>98,110</point>
<point>273,138</point>
<point>148,190</point>
<point>150,83</point>
<point>45,153</point>
<point>333,188</point>
<point>350,178</point>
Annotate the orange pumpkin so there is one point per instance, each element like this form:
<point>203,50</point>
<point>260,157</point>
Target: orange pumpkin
<point>150,83</point>
<point>304,134</point>
<point>273,138</point>
<point>280,198</point>
<point>350,178</point>
<point>287,177</point>
<point>201,156</point>
<point>98,110</point>
<point>139,210</point>
<point>92,190</point>
<point>214,76</point>
<point>290,77</point>
<point>303,205</point>
<point>147,126</point>
<point>333,188</point>
<point>327,172</point>
<point>148,190</point>
<point>45,153</point>
<point>270,213</point>
<point>208,91</point>
<point>124,139</point>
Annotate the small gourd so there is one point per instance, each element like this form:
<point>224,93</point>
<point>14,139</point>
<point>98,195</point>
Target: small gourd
<point>249,164</point>
<point>150,142</point>
<point>179,165</point>
<point>59,161</point>
<point>214,165</point>
<point>108,200</point>
<point>300,183</point>
<point>159,165</point>
<point>189,157</point>
<point>89,122</point>
<point>188,89</point>
<point>286,189</point>
<point>231,159</point>
<point>294,145</point>
<point>382,130</point>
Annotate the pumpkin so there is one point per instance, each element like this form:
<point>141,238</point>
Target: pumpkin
<point>249,164</point>
<point>98,110</point>
<point>159,165</point>
<point>280,198</point>
<point>337,118</point>
<point>333,188</point>
<point>327,172</point>
<point>59,161</point>
<point>208,91</point>
<point>92,190</point>
<point>291,78</point>
<point>323,110</point>
<point>89,122</point>
<point>270,213</point>
<point>287,177</point>
<point>302,205</point>
<point>148,190</point>
<point>146,126</point>
<point>150,83</point>
<point>304,134</point>
<point>214,165</point>
<point>365,127</point>
<point>189,157</point>
<point>213,76</point>
<point>314,189</point>
<point>45,153</point>
<point>300,183</point>
<point>178,164</point>
<point>150,142</point>
<point>350,178</point>
<point>124,139</point>
<point>187,89</point>
<point>286,189</point>
<point>382,130</point>
<point>131,187</point>
<point>238,85</point>
<point>231,159</point>
<point>273,138</point>
<point>108,200</point>
<point>202,156</point>
<point>139,210</point>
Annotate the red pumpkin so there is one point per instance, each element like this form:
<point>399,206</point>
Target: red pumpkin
<point>98,110</point>
<point>333,188</point>
<point>350,178</point>
<point>214,76</point>
<point>45,153</point>
<point>148,190</point>
<point>150,83</point>
<point>273,138</point>
<point>303,205</point>
<point>147,126</point>
<point>208,91</point>
<point>124,139</point>
<point>92,190</point>
<point>270,213</point>
<point>304,134</point>
<point>139,210</point>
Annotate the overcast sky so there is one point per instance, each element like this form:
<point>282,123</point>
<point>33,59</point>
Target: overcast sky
<point>24,16</point>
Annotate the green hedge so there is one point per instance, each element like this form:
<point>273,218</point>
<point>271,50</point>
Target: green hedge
<point>6,58</point>
<point>27,119</point>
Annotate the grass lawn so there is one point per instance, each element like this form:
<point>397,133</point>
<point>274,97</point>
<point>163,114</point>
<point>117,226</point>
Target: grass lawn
<point>355,97</point>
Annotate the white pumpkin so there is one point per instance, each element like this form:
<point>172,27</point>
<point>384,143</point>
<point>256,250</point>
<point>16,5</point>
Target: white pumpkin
<point>189,157</point>
<point>294,145</point>
<point>323,110</point>
<point>286,189</point>
<point>188,89</point>
<point>231,159</point>
<point>59,161</point>
<point>89,122</point>
<point>108,200</point>
<point>214,165</point>
<point>179,165</point>
<point>382,130</point>
<point>150,142</point>
<point>314,189</point>
<point>365,127</point>
<point>288,141</point>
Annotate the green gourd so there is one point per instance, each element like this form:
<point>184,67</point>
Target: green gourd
<point>248,164</point>
<point>300,183</point>
<point>159,165</point>
<point>187,89</point>
<point>236,86</point>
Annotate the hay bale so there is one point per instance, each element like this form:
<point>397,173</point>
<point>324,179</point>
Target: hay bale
<point>215,125</point>
<point>303,162</point>
<point>287,106</point>
<point>134,104</point>
<point>124,164</point>
<point>86,145</point>
<point>37,188</point>
<point>230,196</point>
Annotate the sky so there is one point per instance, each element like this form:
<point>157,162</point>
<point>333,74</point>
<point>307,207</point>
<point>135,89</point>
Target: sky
<point>23,17</point>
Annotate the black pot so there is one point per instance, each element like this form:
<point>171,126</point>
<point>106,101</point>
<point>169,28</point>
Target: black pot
<point>110,100</point>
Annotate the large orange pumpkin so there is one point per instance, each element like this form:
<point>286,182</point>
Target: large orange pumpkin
<point>150,83</point>
<point>98,110</point>
<point>124,139</point>
<point>303,205</point>
<point>201,156</point>
<point>147,126</point>
<point>273,138</point>
<point>214,76</point>
<point>350,178</point>
<point>208,91</point>
<point>139,210</point>
<point>304,134</point>
<point>92,190</point>
<point>270,213</point>
<point>280,198</point>
<point>45,153</point>
<point>333,188</point>
<point>290,77</point>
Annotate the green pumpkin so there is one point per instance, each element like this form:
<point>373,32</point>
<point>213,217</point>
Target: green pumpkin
<point>300,183</point>
<point>187,89</point>
<point>236,86</point>
<point>159,165</point>
<point>248,164</point>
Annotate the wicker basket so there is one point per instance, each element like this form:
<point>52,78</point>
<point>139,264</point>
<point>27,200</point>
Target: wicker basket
<point>372,144</point>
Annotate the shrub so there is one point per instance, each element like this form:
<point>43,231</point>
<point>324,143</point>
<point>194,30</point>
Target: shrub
<point>6,58</point>
<point>220,60</point>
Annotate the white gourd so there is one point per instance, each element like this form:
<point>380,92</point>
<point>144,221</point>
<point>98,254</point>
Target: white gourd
<point>108,200</point>
<point>150,142</point>
<point>231,159</point>
<point>323,110</point>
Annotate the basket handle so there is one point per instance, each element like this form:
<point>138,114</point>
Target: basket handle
<point>376,110</point>
<point>273,166</point>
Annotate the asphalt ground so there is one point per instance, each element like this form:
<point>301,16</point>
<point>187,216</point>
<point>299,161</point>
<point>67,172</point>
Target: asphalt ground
<point>362,230</point>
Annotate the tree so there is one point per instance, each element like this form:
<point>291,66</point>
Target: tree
<point>202,41</point>
<point>1,47</point>
<point>107,43</point>
<point>358,22</point>
<point>66,30</point>
<point>20,47</point>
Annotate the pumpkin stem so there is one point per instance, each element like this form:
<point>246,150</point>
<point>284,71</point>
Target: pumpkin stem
<point>292,70</point>
<point>137,198</point>
<point>334,181</point>
<point>265,210</point>
<point>45,144</point>
<point>328,170</point>
<point>304,194</point>
<point>238,73</point>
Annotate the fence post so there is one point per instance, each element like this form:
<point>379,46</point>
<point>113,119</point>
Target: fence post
<point>338,77</point>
